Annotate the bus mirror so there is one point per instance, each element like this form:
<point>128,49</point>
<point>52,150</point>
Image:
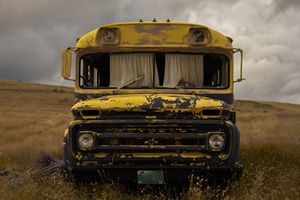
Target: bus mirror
<point>66,63</point>
<point>241,65</point>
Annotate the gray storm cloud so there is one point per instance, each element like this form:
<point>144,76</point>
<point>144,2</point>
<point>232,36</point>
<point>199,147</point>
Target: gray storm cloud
<point>33,33</point>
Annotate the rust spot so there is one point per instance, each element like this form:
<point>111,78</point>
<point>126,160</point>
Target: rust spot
<point>153,29</point>
<point>143,41</point>
<point>156,102</point>
<point>156,42</point>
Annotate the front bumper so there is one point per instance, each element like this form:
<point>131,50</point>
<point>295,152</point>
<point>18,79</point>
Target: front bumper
<point>123,162</point>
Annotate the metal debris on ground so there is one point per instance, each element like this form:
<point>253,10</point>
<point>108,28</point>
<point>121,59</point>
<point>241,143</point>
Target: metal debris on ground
<point>52,167</point>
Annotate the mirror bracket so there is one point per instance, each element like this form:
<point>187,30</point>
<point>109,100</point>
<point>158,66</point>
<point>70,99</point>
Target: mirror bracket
<point>235,50</point>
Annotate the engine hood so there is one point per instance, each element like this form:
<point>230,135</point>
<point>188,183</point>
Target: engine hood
<point>154,102</point>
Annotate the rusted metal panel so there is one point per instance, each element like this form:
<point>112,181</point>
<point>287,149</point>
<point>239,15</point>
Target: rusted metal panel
<point>158,102</point>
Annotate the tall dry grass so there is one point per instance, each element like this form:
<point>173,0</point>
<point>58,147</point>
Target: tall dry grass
<point>33,119</point>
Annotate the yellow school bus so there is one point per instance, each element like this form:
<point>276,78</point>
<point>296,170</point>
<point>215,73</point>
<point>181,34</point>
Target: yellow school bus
<point>154,103</point>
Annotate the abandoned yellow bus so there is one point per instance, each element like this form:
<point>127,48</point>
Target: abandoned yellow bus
<point>154,103</point>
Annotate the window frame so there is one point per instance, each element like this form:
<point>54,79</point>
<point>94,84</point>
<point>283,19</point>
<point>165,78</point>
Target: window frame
<point>162,88</point>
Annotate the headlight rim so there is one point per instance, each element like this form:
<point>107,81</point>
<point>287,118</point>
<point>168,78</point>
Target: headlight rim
<point>80,133</point>
<point>209,134</point>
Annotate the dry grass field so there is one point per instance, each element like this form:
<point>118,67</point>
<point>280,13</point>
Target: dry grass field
<point>33,118</point>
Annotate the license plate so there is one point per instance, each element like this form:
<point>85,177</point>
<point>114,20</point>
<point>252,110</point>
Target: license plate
<point>150,177</point>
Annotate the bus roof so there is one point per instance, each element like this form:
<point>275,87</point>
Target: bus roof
<point>152,34</point>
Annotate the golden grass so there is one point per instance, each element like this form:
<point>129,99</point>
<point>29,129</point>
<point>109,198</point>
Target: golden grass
<point>33,118</point>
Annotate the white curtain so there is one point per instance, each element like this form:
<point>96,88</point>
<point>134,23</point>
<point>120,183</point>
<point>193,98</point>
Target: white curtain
<point>183,68</point>
<point>125,68</point>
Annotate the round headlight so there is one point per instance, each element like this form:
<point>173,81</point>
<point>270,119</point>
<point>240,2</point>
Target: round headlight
<point>86,141</point>
<point>216,141</point>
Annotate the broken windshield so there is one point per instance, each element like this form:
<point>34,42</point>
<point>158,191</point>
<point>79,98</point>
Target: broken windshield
<point>153,70</point>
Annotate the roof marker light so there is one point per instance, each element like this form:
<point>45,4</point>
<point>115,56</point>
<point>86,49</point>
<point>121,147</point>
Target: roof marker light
<point>108,36</point>
<point>199,36</point>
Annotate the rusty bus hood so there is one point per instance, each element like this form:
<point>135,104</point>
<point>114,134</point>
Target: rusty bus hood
<point>153,102</point>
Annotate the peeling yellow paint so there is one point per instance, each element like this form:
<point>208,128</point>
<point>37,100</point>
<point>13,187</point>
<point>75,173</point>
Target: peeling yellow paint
<point>100,155</point>
<point>152,34</point>
<point>150,117</point>
<point>194,155</point>
<point>85,163</point>
<point>223,156</point>
<point>78,156</point>
<point>142,103</point>
<point>171,154</point>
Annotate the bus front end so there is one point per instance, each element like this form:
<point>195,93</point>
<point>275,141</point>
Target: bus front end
<point>154,104</point>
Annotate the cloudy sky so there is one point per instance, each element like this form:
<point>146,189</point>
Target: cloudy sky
<point>33,33</point>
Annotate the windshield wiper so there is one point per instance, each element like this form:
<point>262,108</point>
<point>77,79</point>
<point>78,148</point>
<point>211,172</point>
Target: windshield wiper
<point>128,83</point>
